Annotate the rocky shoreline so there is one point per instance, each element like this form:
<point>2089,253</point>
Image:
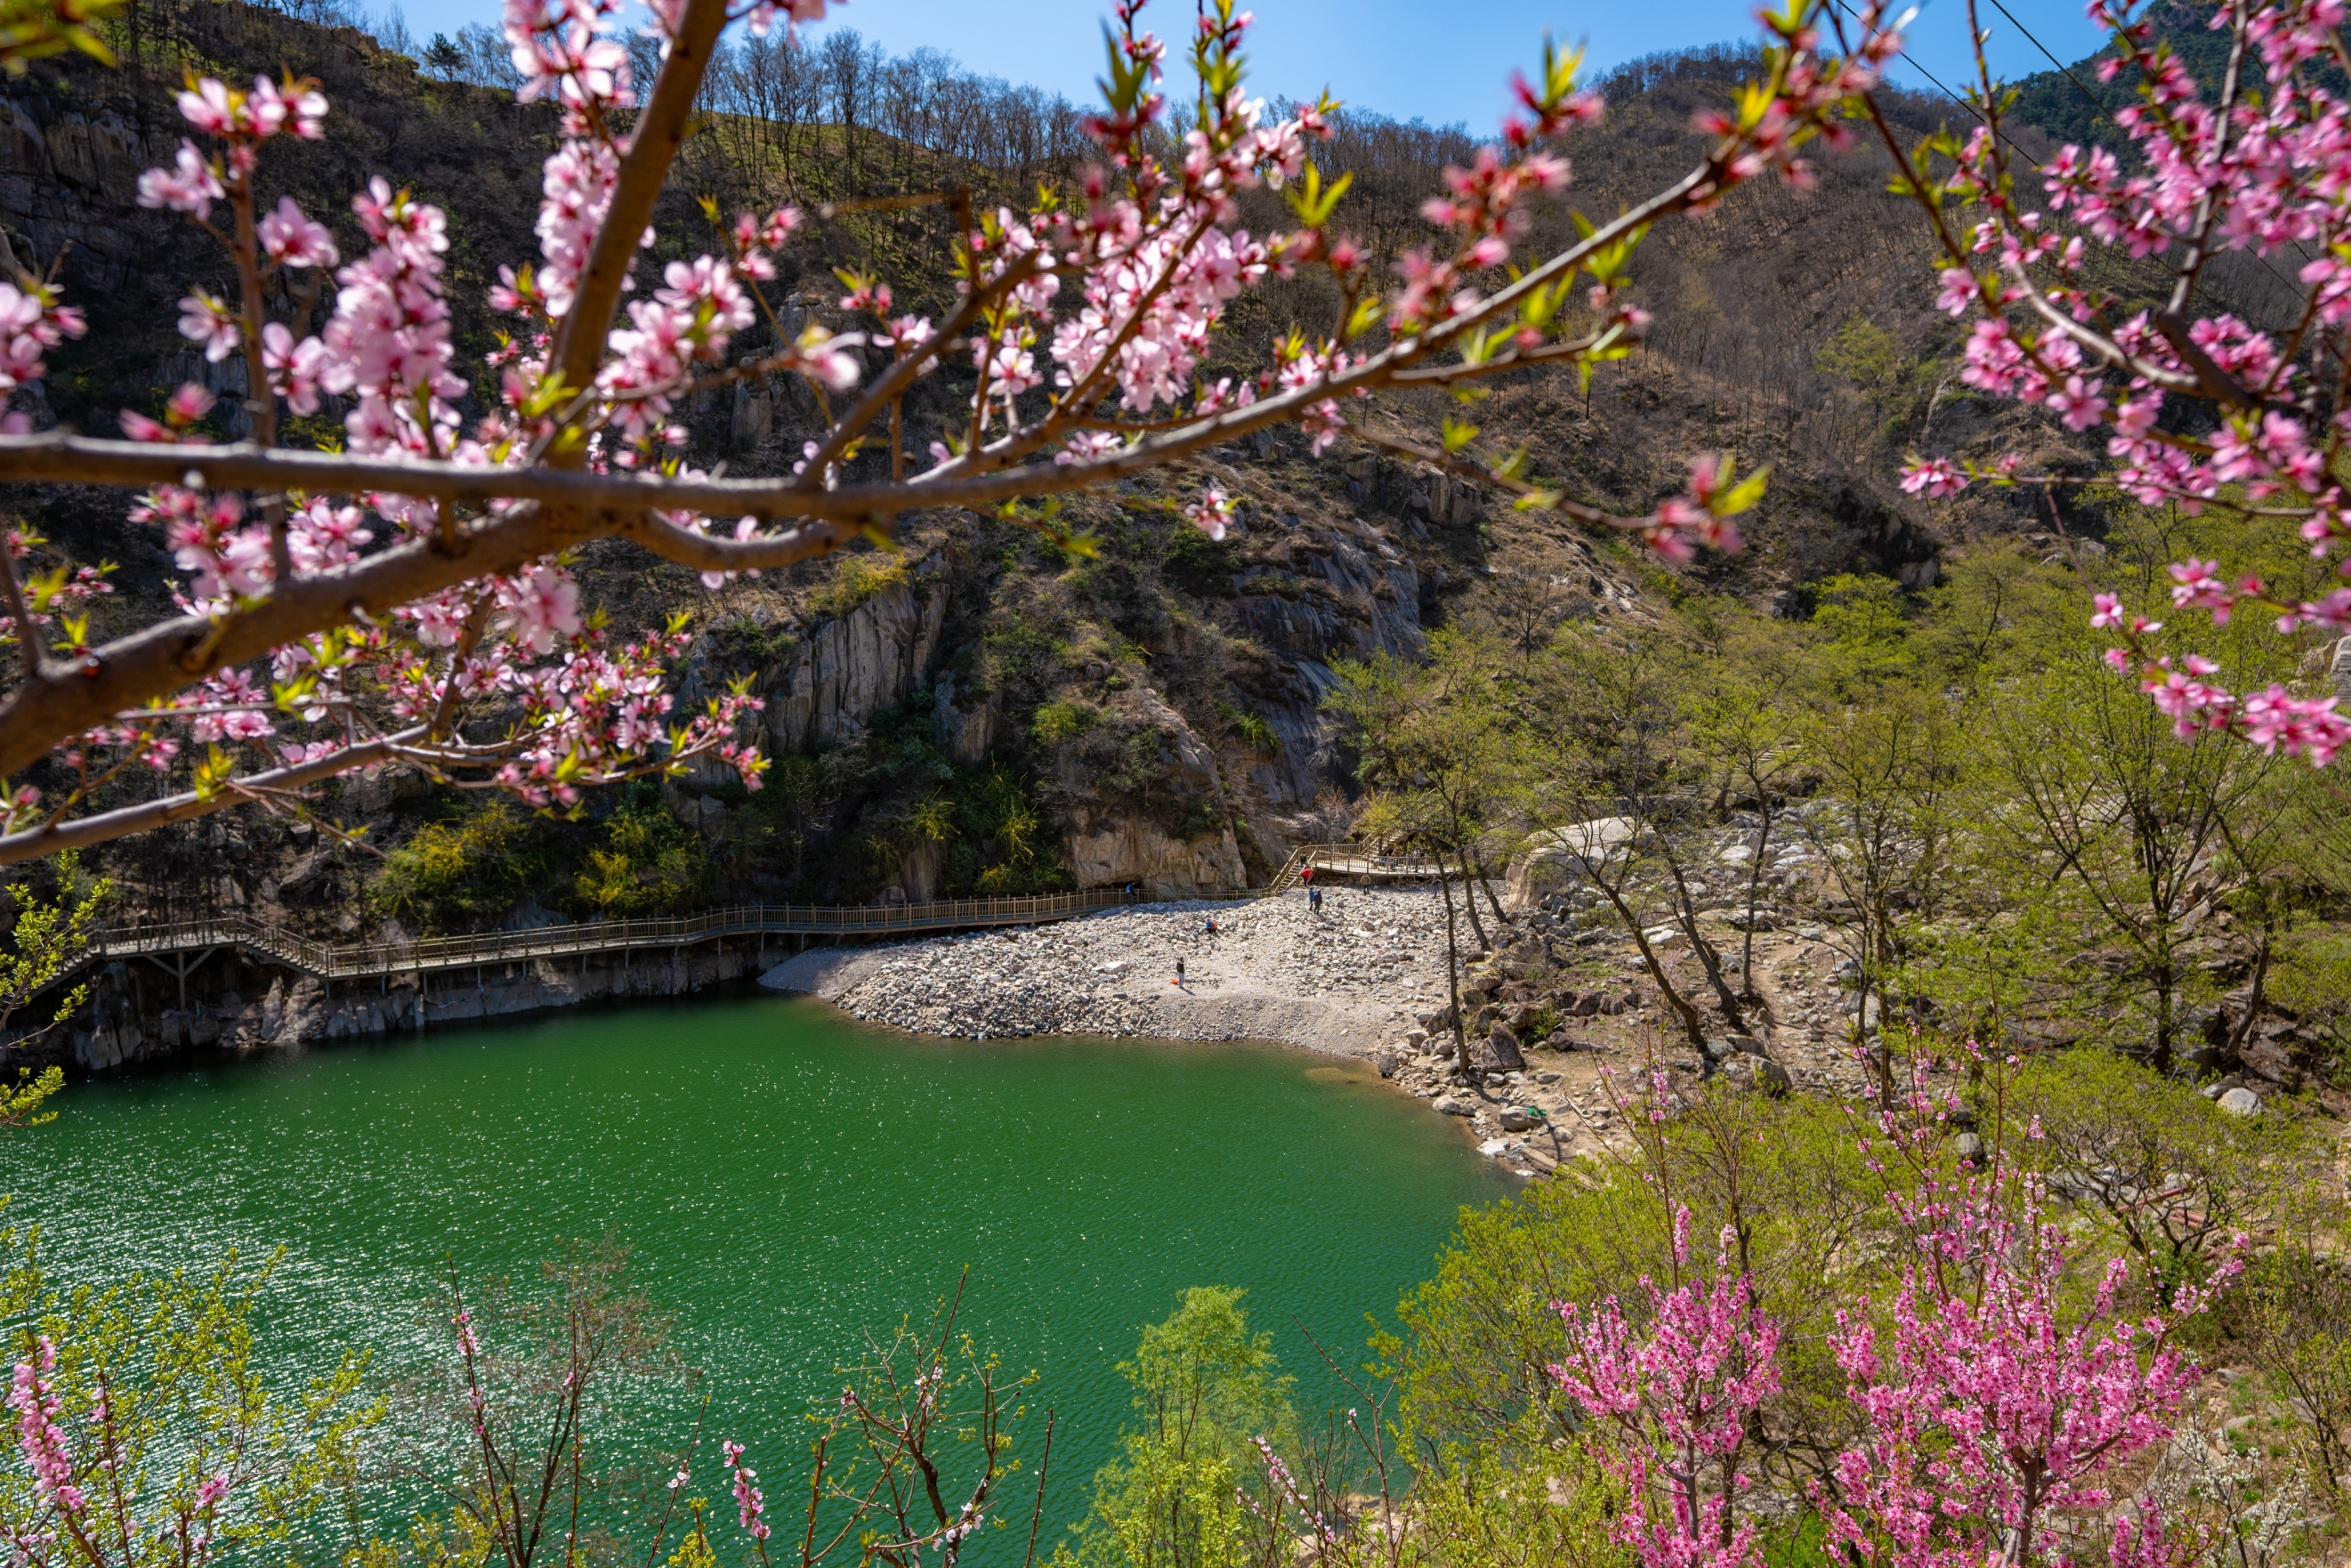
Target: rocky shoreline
<point>1338,982</point>
<point>1358,979</point>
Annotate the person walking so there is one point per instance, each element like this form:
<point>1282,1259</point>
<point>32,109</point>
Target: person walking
<point>1178,981</point>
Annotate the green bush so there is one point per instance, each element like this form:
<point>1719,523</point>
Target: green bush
<point>859,579</point>
<point>455,873</point>
<point>1254,731</point>
<point>1061,720</point>
<point>1187,1482</point>
<point>650,861</point>
<point>2172,1175</point>
<point>998,848</point>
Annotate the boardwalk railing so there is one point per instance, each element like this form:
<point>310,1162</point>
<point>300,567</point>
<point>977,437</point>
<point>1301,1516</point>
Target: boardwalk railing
<point>180,946</point>
<point>1347,859</point>
<point>432,954</point>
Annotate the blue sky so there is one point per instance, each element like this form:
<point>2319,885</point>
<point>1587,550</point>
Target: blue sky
<point>1440,60</point>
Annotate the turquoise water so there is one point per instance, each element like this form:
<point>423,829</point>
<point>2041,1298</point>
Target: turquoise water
<point>789,1182</point>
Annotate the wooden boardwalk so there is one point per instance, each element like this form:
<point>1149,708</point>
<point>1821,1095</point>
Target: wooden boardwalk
<point>178,948</point>
<point>1349,861</point>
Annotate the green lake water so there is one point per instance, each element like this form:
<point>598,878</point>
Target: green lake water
<point>789,1182</point>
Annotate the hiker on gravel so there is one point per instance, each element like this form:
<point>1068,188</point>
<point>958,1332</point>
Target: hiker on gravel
<point>1314,899</point>
<point>1307,876</point>
<point>1178,981</point>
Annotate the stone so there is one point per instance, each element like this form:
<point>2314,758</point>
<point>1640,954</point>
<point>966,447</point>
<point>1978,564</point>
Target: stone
<point>1519,1119</point>
<point>1557,856</point>
<point>1386,1062</point>
<point>1968,1148</point>
<point>1757,1074</point>
<point>962,735</point>
<point>1505,1046</point>
<point>1450,1105</point>
<point>2240,1102</point>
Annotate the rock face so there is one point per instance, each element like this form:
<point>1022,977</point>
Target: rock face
<point>75,181</point>
<point>963,735</point>
<point>857,664</point>
<point>1360,596</point>
<point>1108,843</point>
<point>1119,850</point>
<point>135,1014</point>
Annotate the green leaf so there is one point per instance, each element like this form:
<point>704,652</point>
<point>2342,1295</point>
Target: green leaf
<point>1749,490</point>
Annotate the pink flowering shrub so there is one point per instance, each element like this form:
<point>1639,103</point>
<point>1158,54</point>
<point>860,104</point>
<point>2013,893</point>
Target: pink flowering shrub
<point>406,598</point>
<point>2201,410</point>
<point>1671,1407</point>
<point>1996,1391</point>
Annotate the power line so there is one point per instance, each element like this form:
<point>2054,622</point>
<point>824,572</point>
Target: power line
<point>2062,70</point>
<point>2106,114</point>
<point>1947,93</point>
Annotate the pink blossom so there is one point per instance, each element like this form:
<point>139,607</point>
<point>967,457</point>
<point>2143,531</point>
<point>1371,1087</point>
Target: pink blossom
<point>1934,477</point>
<point>1670,1407</point>
<point>189,187</point>
<point>208,320</point>
<point>292,240</point>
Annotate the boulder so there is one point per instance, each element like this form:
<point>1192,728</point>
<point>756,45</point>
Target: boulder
<point>2240,1102</point>
<point>1504,1045</point>
<point>1557,857</point>
<point>1386,1062</point>
<point>962,735</point>
<point>1108,842</point>
<point>1452,1105</point>
<point>1756,1073</point>
<point>1519,1118</point>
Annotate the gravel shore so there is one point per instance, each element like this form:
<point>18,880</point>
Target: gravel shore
<point>1339,982</point>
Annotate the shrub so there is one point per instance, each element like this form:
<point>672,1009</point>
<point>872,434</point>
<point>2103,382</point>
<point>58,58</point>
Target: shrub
<point>453,874</point>
<point>650,861</point>
<point>1061,720</point>
<point>2172,1175</point>
<point>860,578</point>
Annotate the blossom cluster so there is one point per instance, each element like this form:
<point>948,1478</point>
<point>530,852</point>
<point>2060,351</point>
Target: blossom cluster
<point>1674,1403</point>
<point>2200,411</point>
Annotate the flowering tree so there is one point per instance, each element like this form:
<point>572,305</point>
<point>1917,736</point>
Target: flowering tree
<point>406,598</point>
<point>1992,1393</point>
<point>1672,1408</point>
<point>2203,409</point>
<point>1994,1404</point>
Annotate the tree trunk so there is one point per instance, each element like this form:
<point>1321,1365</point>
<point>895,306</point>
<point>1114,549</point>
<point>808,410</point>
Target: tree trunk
<point>1469,903</point>
<point>1453,968</point>
<point>1478,866</point>
<point>1746,987</point>
<point>2244,1029</point>
<point>1691,1024</point>
<point>1686,917</point>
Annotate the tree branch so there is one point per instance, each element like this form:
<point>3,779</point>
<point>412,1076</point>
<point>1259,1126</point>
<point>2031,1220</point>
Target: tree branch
<point>82,832</point>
